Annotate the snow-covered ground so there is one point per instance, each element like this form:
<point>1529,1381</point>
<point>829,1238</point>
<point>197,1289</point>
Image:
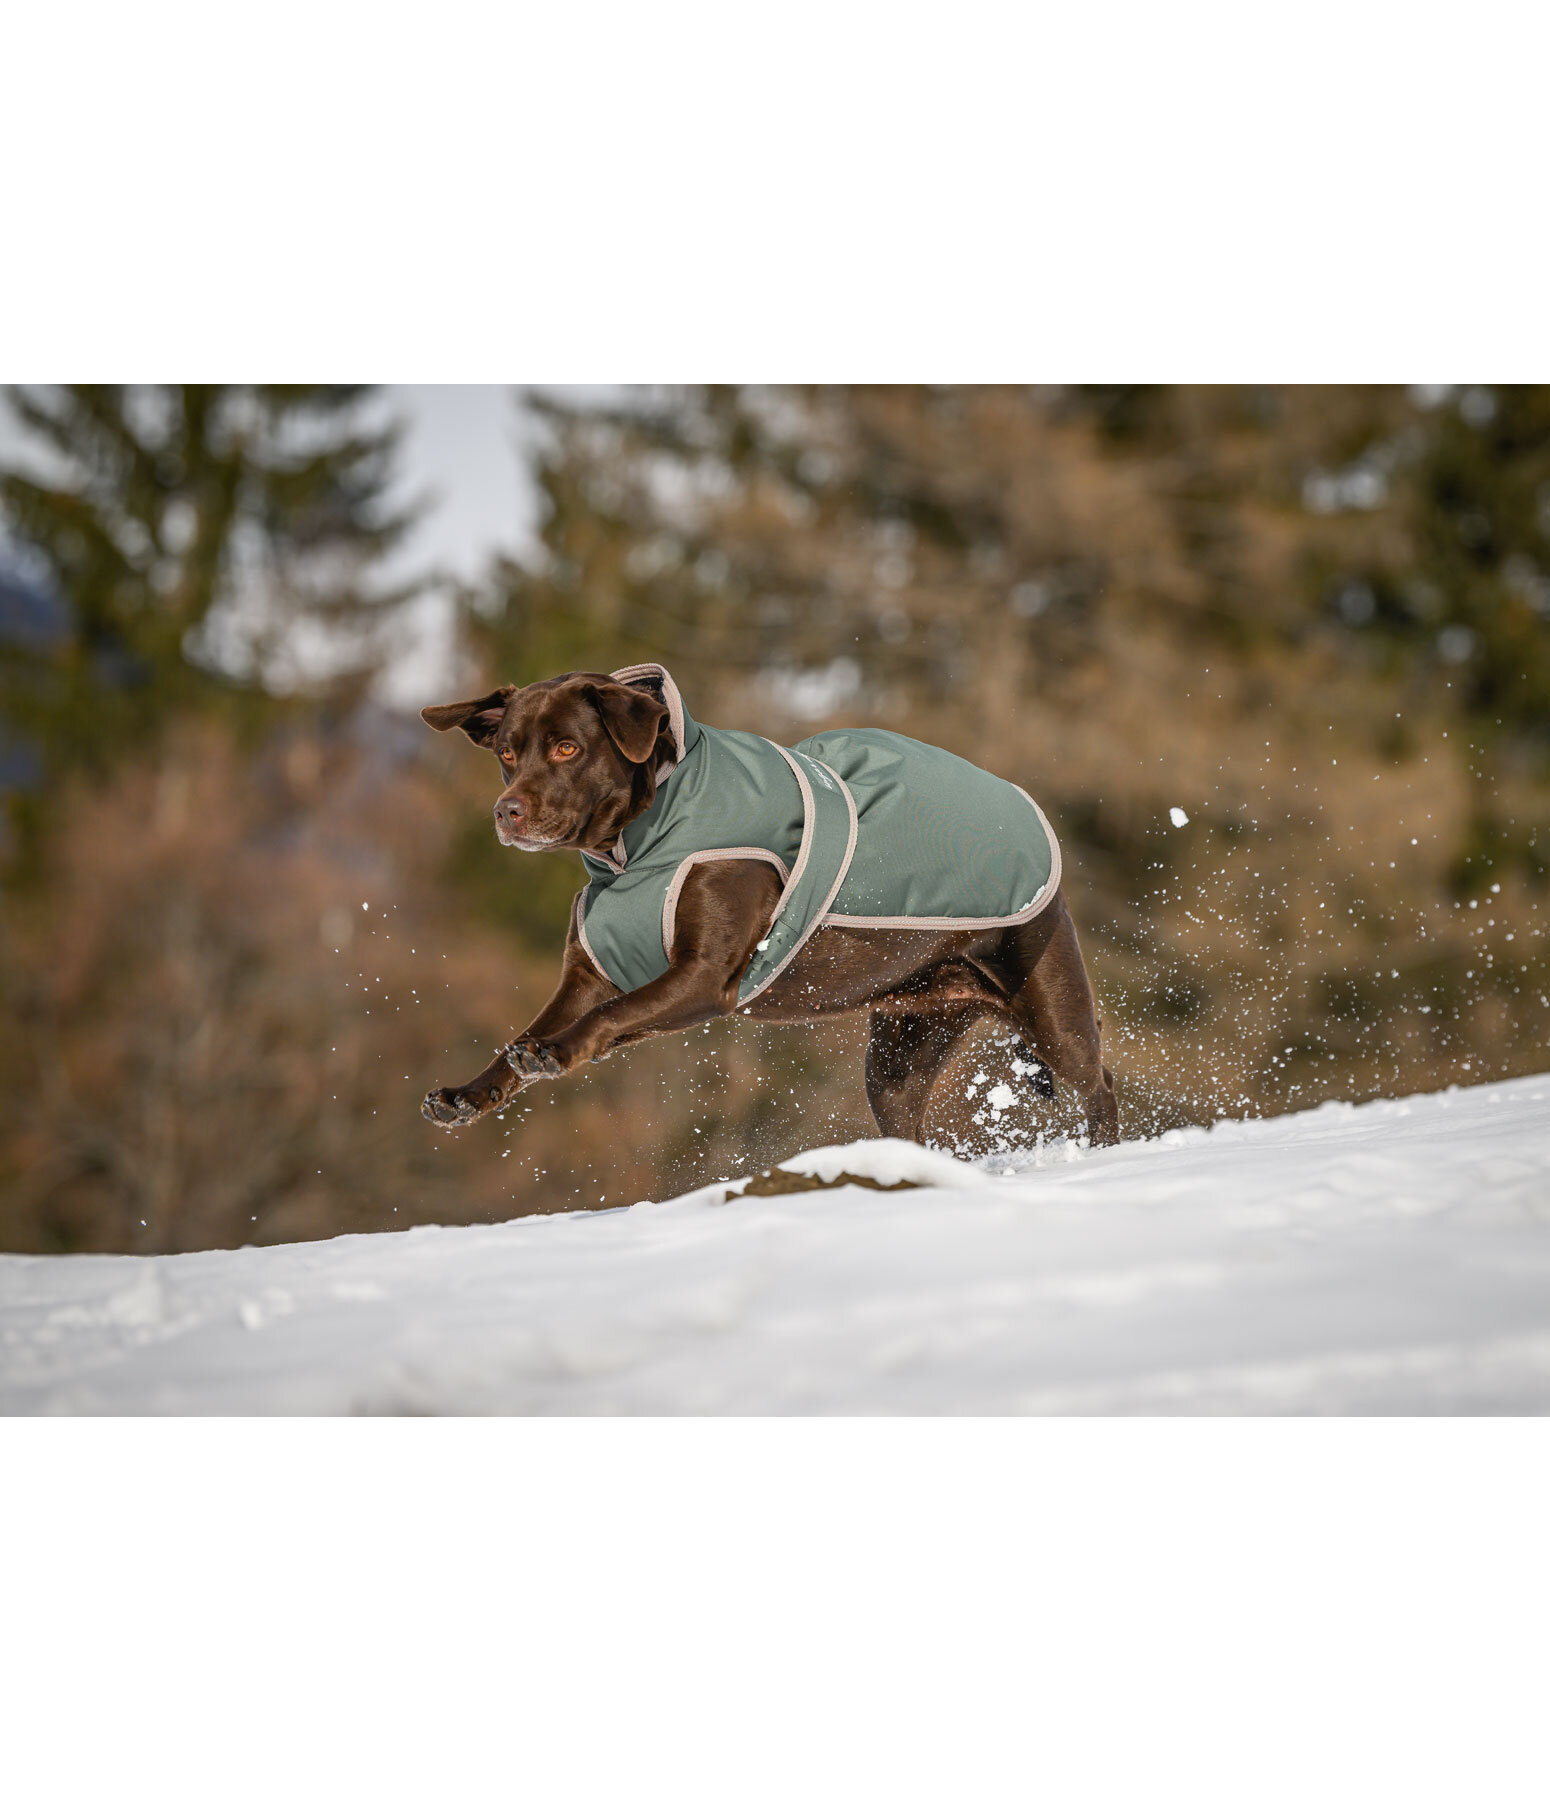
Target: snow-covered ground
<point>1388,1258</point>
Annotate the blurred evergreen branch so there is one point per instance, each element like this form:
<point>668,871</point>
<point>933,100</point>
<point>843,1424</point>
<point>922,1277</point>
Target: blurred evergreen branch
<point>186,533</point>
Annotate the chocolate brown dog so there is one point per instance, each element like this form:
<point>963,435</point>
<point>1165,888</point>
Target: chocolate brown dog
<point>580,757</point>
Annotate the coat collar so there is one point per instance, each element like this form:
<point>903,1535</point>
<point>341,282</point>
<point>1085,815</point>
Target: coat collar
<point>683,731</point>
<point>656,680</point>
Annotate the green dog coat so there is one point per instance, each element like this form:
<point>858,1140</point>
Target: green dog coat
<point>867,829</point>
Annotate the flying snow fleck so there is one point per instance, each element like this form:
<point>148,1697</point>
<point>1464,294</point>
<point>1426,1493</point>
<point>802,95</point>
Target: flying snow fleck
<point>365,906</point>
<point>1178,815</point>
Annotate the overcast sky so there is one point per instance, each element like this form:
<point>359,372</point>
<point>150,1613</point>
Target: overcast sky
<point>462,447</point>
<point>462,451</point>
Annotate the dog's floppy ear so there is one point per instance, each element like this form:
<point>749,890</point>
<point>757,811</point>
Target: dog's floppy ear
<point>481,719</point>
<point>631,717</point>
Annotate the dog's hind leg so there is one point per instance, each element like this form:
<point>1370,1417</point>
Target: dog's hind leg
<point>904,1055</point>
<point>1053,1007</point>
<point>964,980</point>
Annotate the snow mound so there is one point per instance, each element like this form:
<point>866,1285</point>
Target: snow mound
<point>888,1161</point>
<point>1387,1258</point>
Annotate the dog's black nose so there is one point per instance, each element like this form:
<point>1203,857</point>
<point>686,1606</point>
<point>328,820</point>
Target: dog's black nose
<point>510,811</point>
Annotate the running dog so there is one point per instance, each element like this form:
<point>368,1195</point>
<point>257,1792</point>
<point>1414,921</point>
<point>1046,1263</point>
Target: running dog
<point>855,871</point>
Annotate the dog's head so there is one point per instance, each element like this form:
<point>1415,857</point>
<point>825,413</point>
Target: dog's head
<point>578,755</point>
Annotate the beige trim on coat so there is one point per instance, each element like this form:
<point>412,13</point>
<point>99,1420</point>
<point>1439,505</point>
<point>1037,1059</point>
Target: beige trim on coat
<point>578,919</point>
<point>870,922</point>
<point>822,916</point>
<point>738,852</point>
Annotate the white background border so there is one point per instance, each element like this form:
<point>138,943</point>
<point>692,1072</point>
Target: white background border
<point>811,192</point>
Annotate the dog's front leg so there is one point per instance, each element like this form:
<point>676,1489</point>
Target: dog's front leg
<point>723,912</point>
<point>580,990</point>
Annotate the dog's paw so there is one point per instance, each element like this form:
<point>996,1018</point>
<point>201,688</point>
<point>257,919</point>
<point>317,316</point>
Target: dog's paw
<point>456,1106</point>
<point>533,1059</point>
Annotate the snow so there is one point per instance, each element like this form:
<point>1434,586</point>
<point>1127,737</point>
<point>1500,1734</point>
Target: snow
<point>1179,817</point>
<point>1386,1258</point>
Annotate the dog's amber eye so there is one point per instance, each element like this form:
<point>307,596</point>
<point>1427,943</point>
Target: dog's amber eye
<point>565,748</point>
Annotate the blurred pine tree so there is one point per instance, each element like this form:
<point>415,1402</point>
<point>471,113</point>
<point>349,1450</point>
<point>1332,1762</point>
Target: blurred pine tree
<point>192,535</point>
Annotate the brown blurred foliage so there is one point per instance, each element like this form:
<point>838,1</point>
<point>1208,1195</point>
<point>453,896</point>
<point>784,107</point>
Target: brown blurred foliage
<point>238,972</point>
<point>1318,621</point>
